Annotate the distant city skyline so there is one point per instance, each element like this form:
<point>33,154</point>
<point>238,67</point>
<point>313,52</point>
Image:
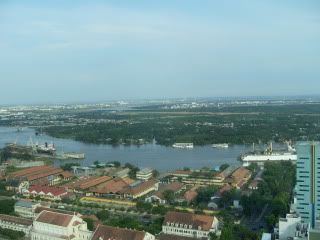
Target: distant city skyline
<point>92,51</point>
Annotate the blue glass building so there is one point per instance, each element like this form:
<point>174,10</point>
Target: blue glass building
<point>308,181</point>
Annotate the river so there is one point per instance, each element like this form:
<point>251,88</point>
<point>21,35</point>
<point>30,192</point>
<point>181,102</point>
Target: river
<point>149,155</point>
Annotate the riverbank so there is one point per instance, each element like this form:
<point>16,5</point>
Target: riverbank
<point>148,155</point>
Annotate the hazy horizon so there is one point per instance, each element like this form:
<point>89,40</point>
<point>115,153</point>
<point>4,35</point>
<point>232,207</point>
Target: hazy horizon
<point>93,51</point>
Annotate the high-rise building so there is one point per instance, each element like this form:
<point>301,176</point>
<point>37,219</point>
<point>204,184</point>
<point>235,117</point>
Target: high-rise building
<point>308,182</point>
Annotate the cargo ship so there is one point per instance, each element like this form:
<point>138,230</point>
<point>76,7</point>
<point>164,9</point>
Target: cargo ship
<point>45,148</point>
<point>260,157</point>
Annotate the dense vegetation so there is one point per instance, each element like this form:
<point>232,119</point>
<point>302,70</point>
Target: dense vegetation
<point>275,191</point>
<point>237,232</point>
<point>233,125</point>
<point>7,206</point>
<point>10,234</point>
<point>7,153</point>
<point>141,223</point>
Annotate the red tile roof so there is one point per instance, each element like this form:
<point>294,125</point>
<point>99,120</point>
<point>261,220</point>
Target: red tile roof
<point>76,183</point>
<point>112,233</point>
<point>174,237</point>
<point>191,194</point>
<point>203,221</point>
<point>113,186</point>
<point>54,218</point>
<point>53,190</point>
<point>55,171</point>
<point>141,187</point>
<point>66,174</point>
<point>174,186</point>
<point>30,171</point>
<point>240,173</point>
<point>16,220</point>
<point>94,182</point>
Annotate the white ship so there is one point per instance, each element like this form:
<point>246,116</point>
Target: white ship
<point>220,145</point>
<point>183,145</point>
<point>72,155</point>
<point>268,155</point>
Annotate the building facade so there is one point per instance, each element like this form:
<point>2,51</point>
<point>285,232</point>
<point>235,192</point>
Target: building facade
<point>308,182</point>
<point>145,174</point>
<point>16,223</point>
<point>59,226</point>
<point>25,208</point>
<point>189,225</point>
<point>291,227</point>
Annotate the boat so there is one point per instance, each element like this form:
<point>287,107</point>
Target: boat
<point>45,148</point>
<point>183,145</point>
<point>220,145</point>
<point>260,157</point>
<point>73,155</point>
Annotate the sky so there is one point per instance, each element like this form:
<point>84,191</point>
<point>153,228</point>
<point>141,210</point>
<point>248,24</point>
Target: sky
<point>86,51</point>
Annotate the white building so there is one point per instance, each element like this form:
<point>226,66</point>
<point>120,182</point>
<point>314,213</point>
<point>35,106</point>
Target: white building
<point>189,225</point>
<point>291,227</point>
<point>144,174</point>
<point>26,208</point>
<point>15,223</point>
<point>59,226</point>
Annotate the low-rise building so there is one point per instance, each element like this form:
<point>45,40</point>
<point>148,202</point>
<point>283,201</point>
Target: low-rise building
<point>254,185</point>
<point>239,177</point>
<point>189,225</point>
<point>25,208</point>
<point>191,194</point>
<point>266,236</point>
<point>181,173</point>
<point>144,174</point>
<point>51,193</point>
<point>16,223</point>
<point>291,227</point>
<point>140,190</point>
<point>59,226</point>
<point>40,175</point>
<point>159,196</point>
<point>112,187</point>
<point>225,173</point>
<point>203,178</point>
<point>104,232</point>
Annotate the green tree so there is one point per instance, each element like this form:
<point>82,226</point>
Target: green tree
<point>7,206</point>
<point>213,236</point>
<point>227,233</point>
<point>90,223</point>
<point>103,215</point>
<point>205,194</point>
<point>169,196</point>
<point>68,166</point>
<point>253,167</point>
<point>143,206</point>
